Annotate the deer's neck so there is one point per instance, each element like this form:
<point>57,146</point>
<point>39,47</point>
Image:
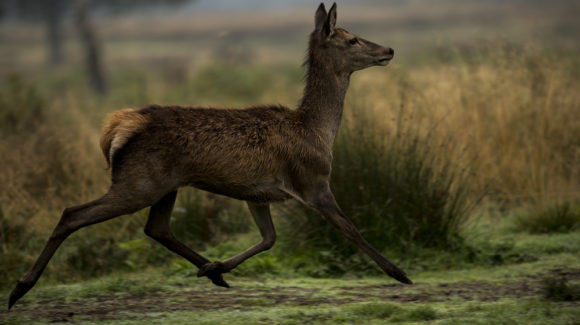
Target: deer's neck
<point>323,101</point>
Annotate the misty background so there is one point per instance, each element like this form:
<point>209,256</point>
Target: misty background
<point>34,33</point>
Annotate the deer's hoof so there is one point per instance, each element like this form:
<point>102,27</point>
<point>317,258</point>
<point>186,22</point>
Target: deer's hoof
<point>219,281</point>
<point>20,290</point>
<point>214,272</point>
<point>404,279</point>
<point>400,276</point>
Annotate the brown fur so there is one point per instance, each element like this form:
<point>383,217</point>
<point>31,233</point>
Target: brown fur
<point>243,153</point>
<point>117,130</point>
<point>259,154</point>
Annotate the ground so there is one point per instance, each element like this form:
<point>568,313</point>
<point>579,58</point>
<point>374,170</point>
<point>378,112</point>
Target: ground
<point>483,294</point>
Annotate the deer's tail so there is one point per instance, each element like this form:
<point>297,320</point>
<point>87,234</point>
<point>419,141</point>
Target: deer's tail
<point>119,127</point>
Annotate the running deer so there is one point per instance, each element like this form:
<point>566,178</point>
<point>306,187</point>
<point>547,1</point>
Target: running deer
<point>259,154</point>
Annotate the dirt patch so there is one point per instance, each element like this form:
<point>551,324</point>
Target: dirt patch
<point>136,306</point>
<point>472,290</point>
<point>107,306</point>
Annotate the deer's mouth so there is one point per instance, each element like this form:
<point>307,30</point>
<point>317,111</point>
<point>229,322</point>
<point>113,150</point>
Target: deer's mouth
<point>385,60</point>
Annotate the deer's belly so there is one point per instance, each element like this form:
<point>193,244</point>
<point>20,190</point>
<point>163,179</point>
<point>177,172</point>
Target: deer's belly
<point>257,191</point>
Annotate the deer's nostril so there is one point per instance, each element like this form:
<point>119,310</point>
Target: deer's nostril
<point>390,51</point>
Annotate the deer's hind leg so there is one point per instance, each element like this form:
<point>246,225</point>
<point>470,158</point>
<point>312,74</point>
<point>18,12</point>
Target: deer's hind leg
<point>158,228</point>
<point>120,200</point>
<point>263,219</point>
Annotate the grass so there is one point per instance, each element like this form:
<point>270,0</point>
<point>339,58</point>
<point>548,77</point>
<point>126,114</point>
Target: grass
<point>561,217</point>
<point>418,160</point>
<point>508,294</point>
<point>558,289</point>
<point>397,189</point>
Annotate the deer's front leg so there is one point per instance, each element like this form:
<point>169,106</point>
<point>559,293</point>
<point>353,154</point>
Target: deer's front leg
<point>324,202</point>
<point>263,219</point>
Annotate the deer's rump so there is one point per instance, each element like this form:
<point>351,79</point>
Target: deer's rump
<point>238,153</point>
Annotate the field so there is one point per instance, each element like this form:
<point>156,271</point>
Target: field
<point>460,161</point>
<point>540,286</point>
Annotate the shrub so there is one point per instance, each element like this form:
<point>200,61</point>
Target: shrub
<point>235,81</point>
<point>559,217</point>
<point>21,107</point>
<point>200,218</point>
<point>22,110</point>
<point>13,238</point>
<point>401,189</point>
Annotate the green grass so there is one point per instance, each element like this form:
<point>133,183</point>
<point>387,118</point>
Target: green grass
<point>510,293</point>
<point>557,288</point>
<point>561,217</point>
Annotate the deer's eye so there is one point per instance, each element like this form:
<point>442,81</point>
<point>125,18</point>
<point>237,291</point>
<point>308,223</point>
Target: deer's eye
<point>353,41</point>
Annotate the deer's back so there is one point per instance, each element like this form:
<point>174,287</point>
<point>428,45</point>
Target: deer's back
<point>244,153</point>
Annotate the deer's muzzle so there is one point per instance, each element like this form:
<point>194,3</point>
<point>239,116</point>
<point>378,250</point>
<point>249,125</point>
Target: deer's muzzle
<point>387,56</point>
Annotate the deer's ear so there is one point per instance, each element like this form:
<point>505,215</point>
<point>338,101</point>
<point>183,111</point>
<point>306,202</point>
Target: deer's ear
<point>330,22</point>
<point>320,16</point>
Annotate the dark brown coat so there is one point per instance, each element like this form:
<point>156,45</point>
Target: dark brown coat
<point>259,154</point>
<point>247,154</point>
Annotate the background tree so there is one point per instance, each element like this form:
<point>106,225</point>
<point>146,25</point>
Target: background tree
<point>54,13</point>
<point>92,51</point>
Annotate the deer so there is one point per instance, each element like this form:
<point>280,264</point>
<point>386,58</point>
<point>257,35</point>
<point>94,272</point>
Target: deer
<point>258,154</point>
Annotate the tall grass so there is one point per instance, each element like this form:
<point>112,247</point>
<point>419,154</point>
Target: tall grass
<point>401,187</point>
<point>516,112</point>
<point>549,218</point>
<point>511,109</point>
<point>417,149</point>
<point>421,147</point>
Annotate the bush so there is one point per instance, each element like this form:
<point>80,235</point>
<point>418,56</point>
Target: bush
<point>21,107</point>
<point>400,189</point>
<point>13,240</point>
<point>560,217</point>
<point>22,111</point>
<point>200,218</point>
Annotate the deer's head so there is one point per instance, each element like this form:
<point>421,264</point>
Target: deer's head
<point>342,51</point>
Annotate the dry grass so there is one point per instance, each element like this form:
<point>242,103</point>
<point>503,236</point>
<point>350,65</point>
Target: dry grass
<point>514,118</point>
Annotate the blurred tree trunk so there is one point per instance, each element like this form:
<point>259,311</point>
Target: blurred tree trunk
<point>53,11</point>
<point>93,55</point>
